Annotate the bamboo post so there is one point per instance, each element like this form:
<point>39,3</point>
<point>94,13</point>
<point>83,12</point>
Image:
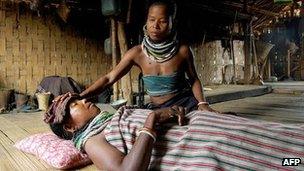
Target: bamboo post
<point>233,61</point>
<point>288,64</point>
<point>302,69</point>
<point>268,73</point>
<point>256,77</point>
<point>247,52</point>
<point>255,60</point>
<point>232,48</point>
<point>126,83</point>
<point>262,71</point>
<point>114,54</point>
<point>129,12</point>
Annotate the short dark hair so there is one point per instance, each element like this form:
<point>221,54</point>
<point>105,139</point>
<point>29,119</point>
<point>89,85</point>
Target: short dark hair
<point>58,129</point>
<point>167,3</point>
<point>58,115</point>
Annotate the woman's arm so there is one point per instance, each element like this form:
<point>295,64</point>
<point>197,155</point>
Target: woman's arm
<point>105,156</point>
<point>123,67</point>
<point>196,85</point>
<point>192,75</point>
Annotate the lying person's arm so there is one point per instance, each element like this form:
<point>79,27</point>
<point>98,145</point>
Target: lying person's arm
<point>106,156</point>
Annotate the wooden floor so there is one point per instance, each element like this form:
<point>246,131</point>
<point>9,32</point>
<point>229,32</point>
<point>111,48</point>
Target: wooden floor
<point>285,104</point>
<point>277,107</point>
<point>288,108</point>
<point>14,127</point>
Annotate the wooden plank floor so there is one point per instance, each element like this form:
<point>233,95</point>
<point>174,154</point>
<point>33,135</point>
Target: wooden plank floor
<point>14,127</point>
<point>287,108</point>
<point>277,107</point>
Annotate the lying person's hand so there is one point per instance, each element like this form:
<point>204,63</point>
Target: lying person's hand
<point>64,96</point>
<point>163,115</point>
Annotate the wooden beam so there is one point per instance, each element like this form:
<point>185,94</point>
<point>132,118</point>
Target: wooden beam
<point>251,8</point>
<point>264,12</point>
<point>212,9</point>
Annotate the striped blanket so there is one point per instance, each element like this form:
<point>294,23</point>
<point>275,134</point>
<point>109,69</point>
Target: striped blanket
<point>212,142</point>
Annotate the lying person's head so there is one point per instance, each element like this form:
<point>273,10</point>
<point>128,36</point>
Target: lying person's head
<point>69,115</point>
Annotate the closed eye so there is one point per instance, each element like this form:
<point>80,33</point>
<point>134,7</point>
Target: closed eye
<point>73,104</point>
<point>164,22</point>
<point>151,20</point>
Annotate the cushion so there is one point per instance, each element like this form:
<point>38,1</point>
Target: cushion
<point>56,152</point>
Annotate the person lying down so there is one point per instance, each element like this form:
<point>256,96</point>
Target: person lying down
<point>140,139</point>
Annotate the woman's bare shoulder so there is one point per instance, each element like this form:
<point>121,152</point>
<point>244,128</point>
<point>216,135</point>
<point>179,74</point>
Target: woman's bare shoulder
<point>134,54</point>
<point>134,51</point>
<point>184,50</point>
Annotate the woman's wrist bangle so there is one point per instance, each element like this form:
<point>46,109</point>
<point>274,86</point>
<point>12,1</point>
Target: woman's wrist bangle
<point>202,103</point>
<point>149,132</point>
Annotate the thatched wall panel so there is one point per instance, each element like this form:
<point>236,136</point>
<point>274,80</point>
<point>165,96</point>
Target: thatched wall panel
<point>211,60</point>
<point>33,47</point>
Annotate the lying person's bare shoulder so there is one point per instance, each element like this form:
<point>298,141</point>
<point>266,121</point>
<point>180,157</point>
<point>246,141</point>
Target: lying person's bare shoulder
<point>99,137</point>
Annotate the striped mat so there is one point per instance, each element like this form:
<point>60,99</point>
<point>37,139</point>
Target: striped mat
<point>212,142</point>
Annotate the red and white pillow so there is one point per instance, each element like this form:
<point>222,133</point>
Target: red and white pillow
<point>58,153</point>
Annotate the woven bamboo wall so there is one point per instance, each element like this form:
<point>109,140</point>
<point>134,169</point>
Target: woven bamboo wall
<point>33,47</point>
<point>211,61</point>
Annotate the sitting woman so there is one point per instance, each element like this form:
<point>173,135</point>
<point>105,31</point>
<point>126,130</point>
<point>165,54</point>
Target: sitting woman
<point>141,139</point>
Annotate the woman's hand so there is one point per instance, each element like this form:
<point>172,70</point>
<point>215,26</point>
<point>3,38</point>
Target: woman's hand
<point>206,107</point>
<point>163,115</point>
<point>64,96</point>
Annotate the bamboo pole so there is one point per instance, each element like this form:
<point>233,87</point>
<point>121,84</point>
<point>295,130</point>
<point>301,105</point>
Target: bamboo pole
<point>257,80</point>
<point>255,60</point>
<point>288,64</point>
<point>114,55</point>
<point>126,84</point>
<point>247,52</point>
<point>268,73</point>
<point>129,12</point>
<point>233,61</point>
<point>263,68</point>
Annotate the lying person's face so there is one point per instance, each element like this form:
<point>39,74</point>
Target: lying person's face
<point>81,112</point>
<point>158,23</point>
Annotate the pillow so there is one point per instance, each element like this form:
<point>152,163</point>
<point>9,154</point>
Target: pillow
<point>56,152</point>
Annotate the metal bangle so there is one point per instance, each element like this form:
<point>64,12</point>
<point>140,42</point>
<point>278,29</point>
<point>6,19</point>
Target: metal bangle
<point>204,103</point>
<point>148,133</point>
